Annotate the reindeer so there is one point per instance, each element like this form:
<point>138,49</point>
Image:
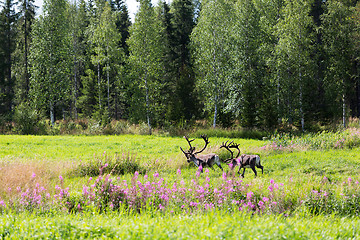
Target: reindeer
<point>245,161</point>
<point>201,160</point>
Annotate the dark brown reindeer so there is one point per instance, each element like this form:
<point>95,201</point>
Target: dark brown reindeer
<point>201,160</point>
<point>244,161</point>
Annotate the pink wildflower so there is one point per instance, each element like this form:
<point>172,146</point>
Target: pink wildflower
<point>224,175</point>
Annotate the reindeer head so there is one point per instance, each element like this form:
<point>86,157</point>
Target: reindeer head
<point>191,154</point>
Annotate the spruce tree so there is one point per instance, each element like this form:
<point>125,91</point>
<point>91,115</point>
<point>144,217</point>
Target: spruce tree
<point>8,18</point>
<point>21,56</point>
<point>184,102</point>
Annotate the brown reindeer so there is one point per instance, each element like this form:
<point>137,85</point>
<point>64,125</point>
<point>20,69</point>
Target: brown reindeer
<point>244,161</point>
<point>201,160</point>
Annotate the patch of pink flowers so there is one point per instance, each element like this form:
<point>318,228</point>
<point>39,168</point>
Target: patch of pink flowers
<point>152,192</point>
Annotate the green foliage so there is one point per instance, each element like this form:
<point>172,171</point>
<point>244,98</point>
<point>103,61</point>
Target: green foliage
<point>50,59</point>
<point>27,121</point>
<point>117,165</point>
<point>235,133</point>
<point>349,138</point>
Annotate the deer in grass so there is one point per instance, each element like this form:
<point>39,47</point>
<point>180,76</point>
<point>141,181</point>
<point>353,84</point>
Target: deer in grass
<point>244,161</point>
<point>201,160</point>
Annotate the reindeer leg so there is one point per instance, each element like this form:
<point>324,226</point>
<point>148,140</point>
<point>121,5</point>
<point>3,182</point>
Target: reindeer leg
<point>262,169</point>
<point>243,174</point>
<point>254,170</point>
<point>219,165</point>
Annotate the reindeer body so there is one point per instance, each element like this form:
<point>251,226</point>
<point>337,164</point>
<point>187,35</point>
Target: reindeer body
<point>208,160</point>
<point>244,161</point>
<point>249,161</point>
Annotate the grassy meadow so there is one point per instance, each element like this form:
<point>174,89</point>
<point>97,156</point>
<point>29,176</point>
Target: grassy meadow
<point>141,187</point>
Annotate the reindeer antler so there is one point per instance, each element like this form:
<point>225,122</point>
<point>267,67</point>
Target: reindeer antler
<point>235,145</point>
<point>206,139</point>
<point>227,146</point>
<point>192,149</point>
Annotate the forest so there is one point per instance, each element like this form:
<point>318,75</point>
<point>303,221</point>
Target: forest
<point>254,63</point>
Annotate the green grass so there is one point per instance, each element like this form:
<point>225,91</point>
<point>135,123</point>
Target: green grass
<point>85,147</point>
<point>300,170</point>
<point>211,225</point>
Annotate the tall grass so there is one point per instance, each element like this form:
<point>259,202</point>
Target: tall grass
<point>349,138</point>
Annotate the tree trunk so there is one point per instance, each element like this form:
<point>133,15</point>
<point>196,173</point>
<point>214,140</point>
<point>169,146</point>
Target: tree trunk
<point>215,111</point>
<point>26,74</point>
<point>52,114</point>
<point>301,105</point>
<point>75,86</point>
<point>99,84</point>
<point>344,110</point>
<point>147,104</point>
<point>108,88</point>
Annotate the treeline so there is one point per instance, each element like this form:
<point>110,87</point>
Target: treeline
<point>259,63</point>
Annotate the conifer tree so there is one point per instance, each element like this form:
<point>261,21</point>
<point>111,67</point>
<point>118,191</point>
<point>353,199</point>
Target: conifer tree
<point>21,55</point>
<point>183,101</point>
<point>8,18</point>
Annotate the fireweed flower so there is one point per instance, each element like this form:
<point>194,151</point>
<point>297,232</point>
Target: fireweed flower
<point>178,171</point>
<point>231,166</point>
<point>33,175</point>
<point>156,174</point>
<point>61,178</point>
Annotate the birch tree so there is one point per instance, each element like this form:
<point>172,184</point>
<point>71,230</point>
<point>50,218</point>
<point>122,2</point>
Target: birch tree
<point>49,58</point>
<point>145,58</point>
<point>337,35</point>
<point>210,39</point>
<point>293,58</point>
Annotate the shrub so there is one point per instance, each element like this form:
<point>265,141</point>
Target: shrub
<point>118,165</point>
<point>26,120</point>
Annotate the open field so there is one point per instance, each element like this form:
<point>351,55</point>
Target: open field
<point>48,189</point>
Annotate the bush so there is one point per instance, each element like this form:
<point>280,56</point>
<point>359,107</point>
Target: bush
<point>27,121</point>
<point>118,165</point>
